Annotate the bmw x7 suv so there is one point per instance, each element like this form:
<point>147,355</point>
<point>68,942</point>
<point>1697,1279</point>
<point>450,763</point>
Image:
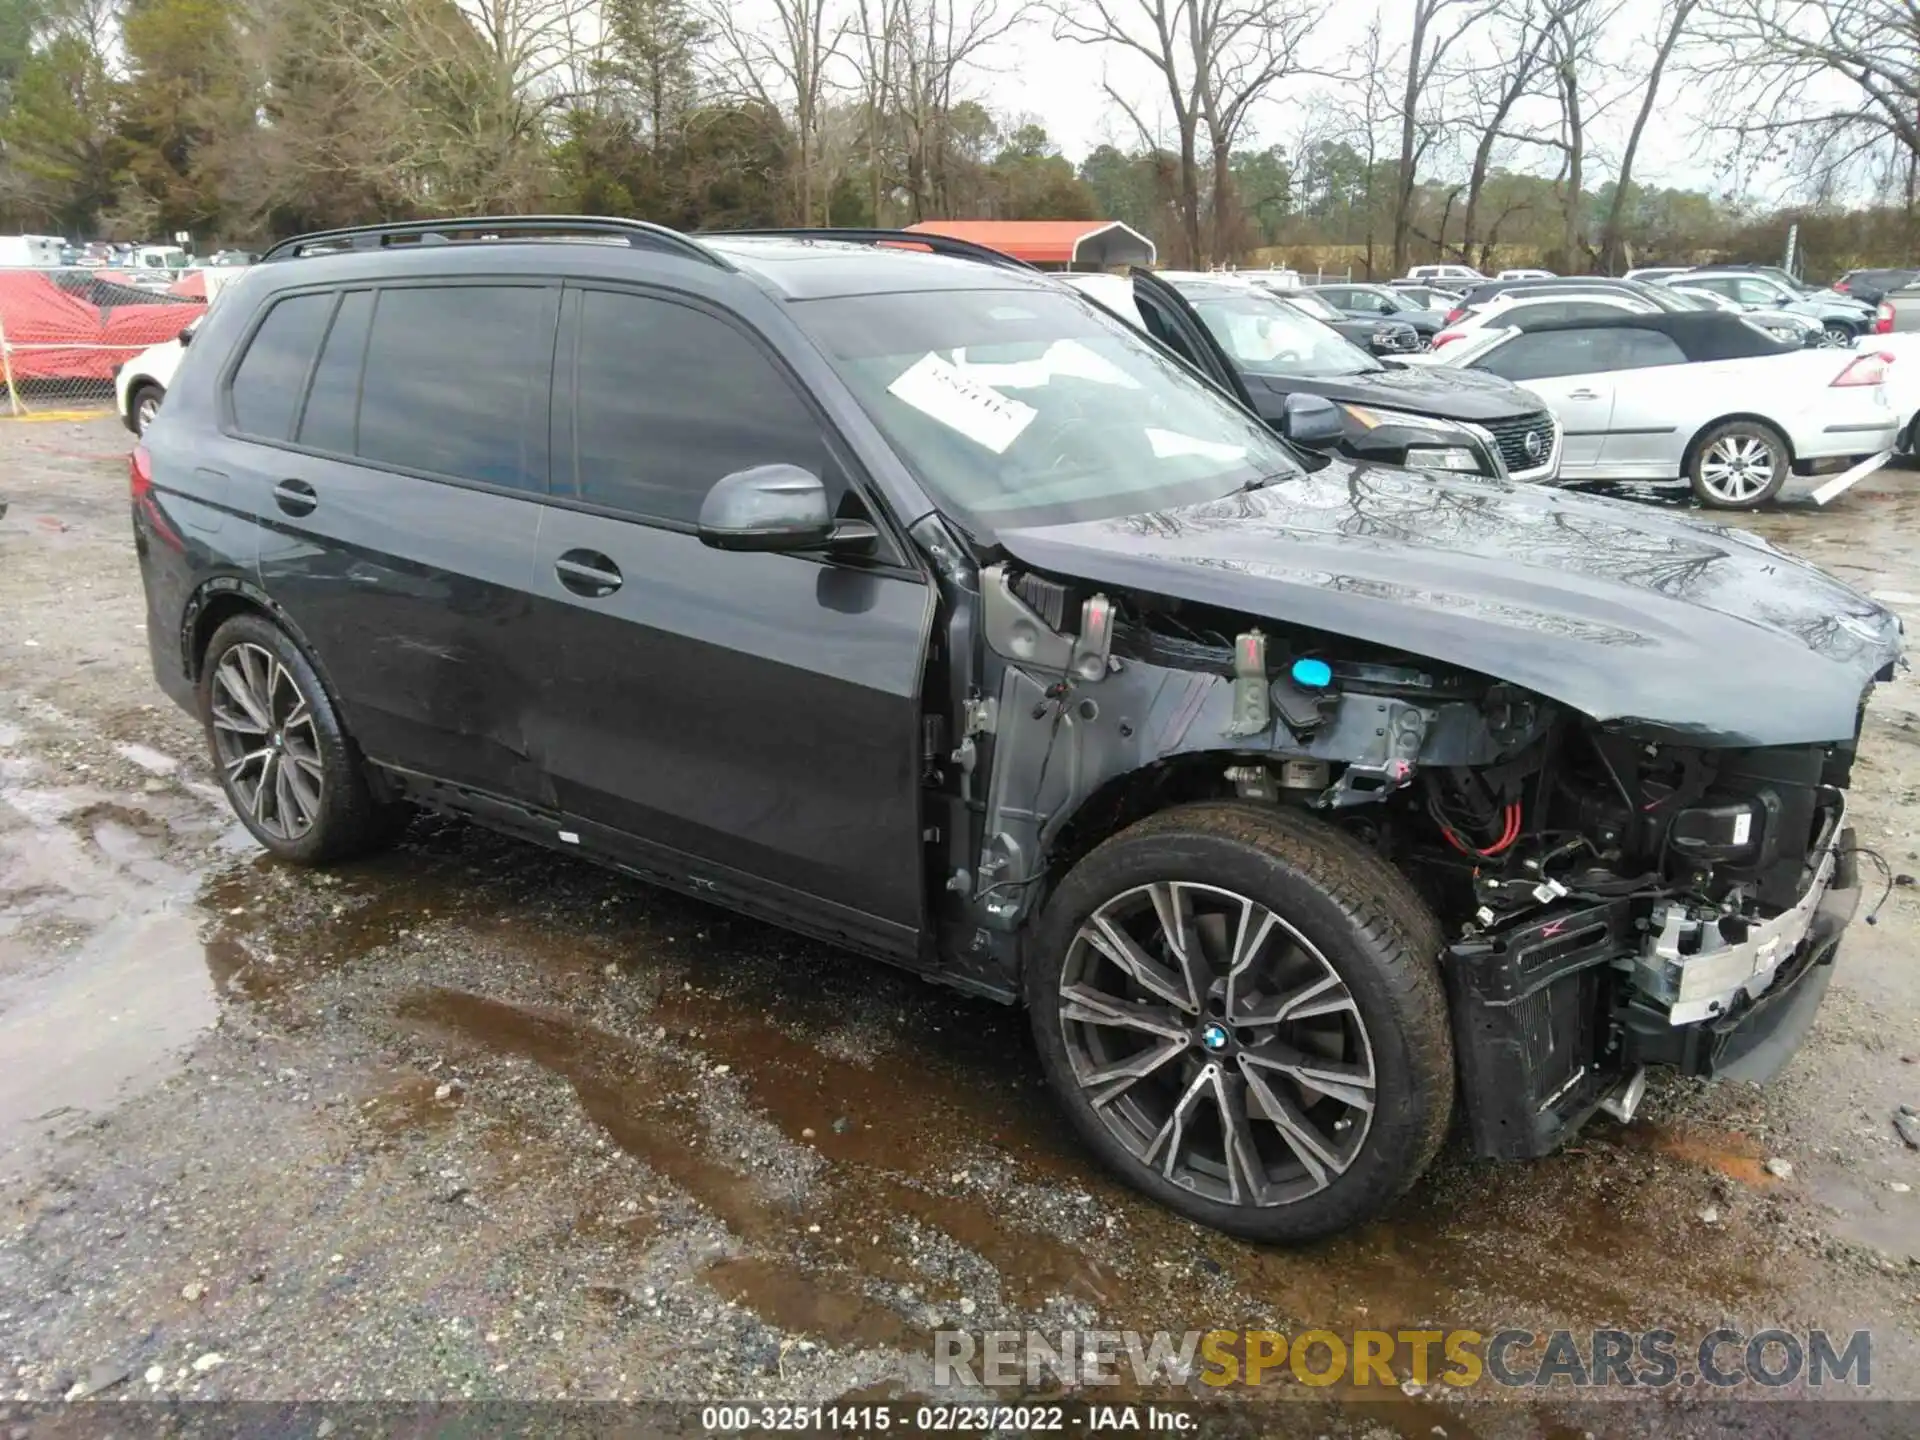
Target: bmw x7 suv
<point>913,601</point>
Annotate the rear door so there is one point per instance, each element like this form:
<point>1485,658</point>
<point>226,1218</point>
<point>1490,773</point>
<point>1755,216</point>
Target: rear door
<point>1568,370</point>
<point>748,722</point>
<point>403,500</point>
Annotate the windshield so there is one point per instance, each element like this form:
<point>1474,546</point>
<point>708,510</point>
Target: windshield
<point>1025,407</point>
<point>1270,337</point>
<point>1316,306</point>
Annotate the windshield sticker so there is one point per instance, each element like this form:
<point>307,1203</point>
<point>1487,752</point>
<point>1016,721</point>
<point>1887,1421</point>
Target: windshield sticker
<point>983,415</point>
<point>1169,445</point>
<point>1064,359</point>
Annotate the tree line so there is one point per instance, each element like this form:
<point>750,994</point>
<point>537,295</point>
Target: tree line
<point>1386,131</point>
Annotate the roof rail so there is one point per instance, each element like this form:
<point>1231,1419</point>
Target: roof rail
<point>639,234</point>
<point>939,244</point>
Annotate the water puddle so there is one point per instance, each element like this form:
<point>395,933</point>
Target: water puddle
<point>109,1021</point>
<point>812,1304</point>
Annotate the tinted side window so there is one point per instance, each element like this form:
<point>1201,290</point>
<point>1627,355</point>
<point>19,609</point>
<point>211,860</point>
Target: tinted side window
<point>457,380</point>
<point>334,399</point>
<point>267,386</point>
<point>668,399</point>
<point>1546,354</point>
<point>1645,349</point>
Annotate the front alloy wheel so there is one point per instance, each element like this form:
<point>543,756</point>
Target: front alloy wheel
<point>266,742</point>
<point>1217,1044</point>
<point>1835,336</point>
<point>1239,1008</point>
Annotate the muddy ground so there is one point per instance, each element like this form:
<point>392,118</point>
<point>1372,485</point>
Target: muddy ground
<point>474,1120</point>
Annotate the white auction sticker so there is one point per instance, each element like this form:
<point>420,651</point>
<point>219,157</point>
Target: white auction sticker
<point>980,413</point>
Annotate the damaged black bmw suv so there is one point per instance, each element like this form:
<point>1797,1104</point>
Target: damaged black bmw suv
<point>911,601</point>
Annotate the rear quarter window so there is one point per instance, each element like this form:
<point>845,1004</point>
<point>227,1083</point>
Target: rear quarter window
<point>272,374</point>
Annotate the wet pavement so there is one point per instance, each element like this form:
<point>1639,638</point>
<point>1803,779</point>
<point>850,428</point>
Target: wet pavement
<point>471,1119</point>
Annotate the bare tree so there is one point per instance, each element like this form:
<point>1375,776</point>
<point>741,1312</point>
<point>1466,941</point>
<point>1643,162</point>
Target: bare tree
<point>1155,30</point>
<point>785,65</point>
<point>1217,60</point>
<point>1821,84</point>
<point>1241,50</point>
<point>1677,17</point>
<point>1523,72</point>
<point>1574,32</point>
<point>1438,26</point>
<point>937,42</point>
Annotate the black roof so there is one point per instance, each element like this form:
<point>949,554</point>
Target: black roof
<point>1702,335</point>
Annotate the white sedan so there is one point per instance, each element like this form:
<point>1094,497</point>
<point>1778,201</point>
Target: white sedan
<point>1702,397</point>
<point>141,384</point>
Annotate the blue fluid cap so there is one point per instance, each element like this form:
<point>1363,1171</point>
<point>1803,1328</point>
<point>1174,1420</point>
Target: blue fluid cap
<point>1312,674</point>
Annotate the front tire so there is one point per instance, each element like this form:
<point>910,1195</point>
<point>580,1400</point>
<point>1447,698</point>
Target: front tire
<point>1739,465</point>
<point>1239,1009</point>
<point>291,773</point>
<point>1835,335</point>
<point>144,405</point>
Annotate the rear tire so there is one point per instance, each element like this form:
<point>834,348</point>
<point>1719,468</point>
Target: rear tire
<point>291,772</point>
<point>1312,1033</point>
<point>1739,465</point>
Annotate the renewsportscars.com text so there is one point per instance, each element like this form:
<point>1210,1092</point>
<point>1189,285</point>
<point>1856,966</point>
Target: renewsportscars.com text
<point>1720,1359</point>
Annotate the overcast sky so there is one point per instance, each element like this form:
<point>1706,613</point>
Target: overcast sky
<point>1060,82</point>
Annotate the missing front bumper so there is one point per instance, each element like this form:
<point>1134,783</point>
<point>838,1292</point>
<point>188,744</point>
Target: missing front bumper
<point>1542,1037</point>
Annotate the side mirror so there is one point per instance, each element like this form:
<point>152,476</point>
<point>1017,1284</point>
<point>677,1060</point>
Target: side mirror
<point>775,507</point>
<point>1313,421</point>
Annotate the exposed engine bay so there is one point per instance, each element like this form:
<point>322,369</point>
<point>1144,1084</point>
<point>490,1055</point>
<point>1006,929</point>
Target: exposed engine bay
<point>1613,896</point>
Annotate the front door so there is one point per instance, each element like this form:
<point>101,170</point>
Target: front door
<point>746,722</point>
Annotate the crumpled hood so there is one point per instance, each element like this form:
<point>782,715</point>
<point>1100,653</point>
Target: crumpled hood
<point>1615,610</point>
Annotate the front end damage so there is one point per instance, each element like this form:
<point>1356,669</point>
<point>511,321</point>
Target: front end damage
<point>1616,896</point>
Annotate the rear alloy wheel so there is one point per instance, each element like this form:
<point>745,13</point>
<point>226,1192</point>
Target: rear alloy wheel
<point>290,772</point>
<point>1239,1009</point>
<point>1739,465</point>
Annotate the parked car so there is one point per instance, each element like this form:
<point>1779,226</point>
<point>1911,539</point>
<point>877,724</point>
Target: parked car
<point>1701,397</point>
<point>1843,320</point>
<point>1898,311</point>
<point>1870,287</point>
<point>1437,298</point>
<point>1268,355</point>
<point>1525,274</point>
<point>1660,296</point>
<point>1652,274</point>
<point>1510,309</point>
<point>141,384</point>
<point>1361,302</point>
<point>1780,276</point>
<point>1379,335</point>
<point>1784,325</point>
<point>913,602</point>
<point>1445,274</point>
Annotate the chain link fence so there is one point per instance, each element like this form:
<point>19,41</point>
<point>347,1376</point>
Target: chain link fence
<point>66,333</point>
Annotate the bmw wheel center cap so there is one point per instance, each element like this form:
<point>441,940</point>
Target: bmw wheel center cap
<point>1214,1037</point>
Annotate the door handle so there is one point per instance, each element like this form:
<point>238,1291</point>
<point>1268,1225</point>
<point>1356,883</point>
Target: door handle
<point>1583,395</point>
<point>296,497</point>
<point>588,573</point>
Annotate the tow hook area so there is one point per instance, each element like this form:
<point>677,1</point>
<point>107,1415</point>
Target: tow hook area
<point>1623,1101</point>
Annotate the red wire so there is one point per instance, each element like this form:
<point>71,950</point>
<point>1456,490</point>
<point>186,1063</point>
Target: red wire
<point>1510,832</point>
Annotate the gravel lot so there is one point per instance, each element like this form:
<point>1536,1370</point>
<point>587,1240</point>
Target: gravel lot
<point>473,1120</point>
